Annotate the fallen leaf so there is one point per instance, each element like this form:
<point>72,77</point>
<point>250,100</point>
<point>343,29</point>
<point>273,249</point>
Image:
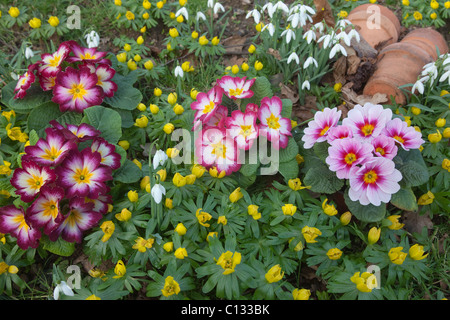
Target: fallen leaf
<point>415,222</point>
<point>274,53</point>
<point>339,70</point>
<point>289,93</point>
<point>353,62</point>
<point>323,12</point>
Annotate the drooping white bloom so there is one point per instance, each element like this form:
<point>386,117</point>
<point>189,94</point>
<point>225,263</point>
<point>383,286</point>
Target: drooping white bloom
<point>343,23</point>
<point>179,72</point>
<point>300,14</point>
<point>328,40</point>
<point>255,14</point>
<point>92,39</point>
<point>289,35</point>
<point>218,7</point>
<point>159,159</point>
<point>157,192</point>
<point>445,75</point>
<point>282,6</point>
<point>319,26</point>
<point>269,27</point>
<point>29,53</point>
<point>210,4</point>
<point>431,70</point>
<point>309,35</point>
<point>270,8</point>
<point>183,11</point>
<point>64,288</point>
<point>200,15</point>
<point>418,85</point>
<point>306,85</point>
<point>309,61</point>
<point>337,47</point>
<point>293,56</point>
<point>354,34</point>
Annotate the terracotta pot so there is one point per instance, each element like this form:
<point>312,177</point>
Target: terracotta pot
<point>401,63</point>
<point>388,30</point>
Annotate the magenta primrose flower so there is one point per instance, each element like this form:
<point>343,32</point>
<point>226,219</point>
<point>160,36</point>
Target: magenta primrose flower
<point>235,87</point>
<point>104,75</point>
<point>339,132</point>
<point>218,118</point>
<point>86,54</point>
<point>374,182</point>
<point>82,175</point>
<point>242,128</point>
<point>317,130</point>
<point>384,146</point>
<point>344,154</point>
<point>76,90</point>
<point>29,179</point>
<point>367,121</point>
<point>206,104</point>
<point>272,125</point>
<point>51,62</point>
<point>14,222</point>
<point>405,136</point>
<point>109,157</point>
<point>25,81</point>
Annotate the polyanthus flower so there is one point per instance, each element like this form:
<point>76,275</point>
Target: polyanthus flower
<point>384,146</point>
<point>368,121</point>
<point>406,136</point>
<point>80,133</point>
<point>104,75</point>
<point>50,151</point>
<point>76,90</point>
<point>317,130</point>
<point>344,154</point>
<point>51,62</point>
<point>374,182</point>
<point>207,103</point>
<point>29,179</point>
<point>339,132</point>
<point>14,222</point>
<point>85,54</point>
<point>235,87</point>
<point>272,125</point>
<point>81,217</point>
<point>215,148</point>
<point>83,175</point>
<point>243,128</point>
<point>45,211</point>
<point>109,157</point>
<point>228,261</point>
<point>25,81</point>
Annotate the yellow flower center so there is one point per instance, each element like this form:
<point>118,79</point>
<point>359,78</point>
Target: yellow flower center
<point>219,149</point>
<point>236,92</point>
<point>350,158</point>
<point>51,154</point>
<point>380,151</point>
<point>74,218</point>
<point>22,223</point>
<point>88,56</point>
<point>324,130</point>
<point>399,139</point>
<point>272,122</point>
<point>209,107</point>
<point>35,182</point>
<point>77,91</point>
<point>246,131</point>
<point>367,129</point>
<point>82,175</point>
<point>370,177</point>
<point>55,61</point>
<point>50,209</point>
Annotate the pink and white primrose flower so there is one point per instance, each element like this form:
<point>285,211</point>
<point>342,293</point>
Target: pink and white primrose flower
<point>82,175</point>
<point>367,121</point>
<point>242,128</point>
<point>25,81</point>
<point>104,74</point>
<point>339,132</point>
<point>218,118</point>
<point>109,157</point>
<point>206,104</point>
<point>75,133</point>
<point>81,217</point>
<point>85,54</point>
<point>344,154</point>
<point>47,81</point>
<point>318,129</point>
<point>50,151</point>
<point>51,62</point>
<point>76,90</point>
<point>235,87</point>
<point>29,179</point>
<point>14,221</point>
<point>252,107</point>
<point>384,146</point>
<point>214,148</point>
<point>101,203</point>
<point>374,182</point>
<point>272,125</point>
<point>405,136</point>
<point>45,211</point>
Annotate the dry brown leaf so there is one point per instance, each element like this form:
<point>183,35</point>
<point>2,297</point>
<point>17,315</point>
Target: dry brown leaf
<point>234,43</point>
<point>353,62</point>
<point>339,70</point>
<point>415,222</point>
<point>323,12</point>
<point>274,53</point>
<point>289,93</point>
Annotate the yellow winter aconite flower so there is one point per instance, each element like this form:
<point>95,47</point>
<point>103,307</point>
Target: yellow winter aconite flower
<point>446,164</point>
<point>16,134</point>
<point>118,2</point>
<point>180,229</point>
<point>198,170</point>
<point>168,203</point>
<point>157,92</point>
<point>395,224</point>
<point>215,173</point>
<point>396,255</point>
<point>447,5</point>
<point>434,4</point>
<point>170,287</point>
<point>203,217</point>
<point>154,109</point>
<point>405,2</point>
<point>194,34</point>
<point>172,98</point>
<point>228,261</point>
<point>440,122</point>
<point>122,57</point>
<point>180,253</point>
<point>146,4</point>
<point>14,12</point>
<point>435,137</point>
<point>186,66</point>
<point>345,218</point>
<point>124,215</point>
<point>179,180</point>
<point>258,65</point>
<point>168,128</point>
<point>426,199</point>
<point>93,297</point>
<point>178,109</point>
<point>211,234</point>
<point>141,107</point>
<point>374,235</point>
<point>53,21</point>
<point>289,209</point>
<point>142,245</point>
<point>310,234</point>
<point>446,133</point>
<point>173,32</point>
<point>133,196</point>
<point>296,184</point>
<point>215,41</point>
<point>120,270</point>
<point>129,15</point>
<point>244,66</point>
<point>222,220</point>
<point>433,15</point>
<point>417,15</point>
<point>337,87</point>
<point>5,169</point>
<point>274,274</point>
<point>9,114</point>
<point>251,49</point>
<point>342,14</point>
<point>124,144</point>
<point>235,69</point>
<point>162,173</point>
<point>131,65</point>
<point>334,254</point>
<point>141,122</point>
<point>328,209</point>
<point>190,179</point>
<point>301,294</point>
<point>168,246</point>
<point>35,23</point>
<point>144,182</point>
<point>416,252</point>
<point>159,4</point>
<point>253,211</point>
<point>203,41</point>
<point>364,282</point>
<point>236,195</point>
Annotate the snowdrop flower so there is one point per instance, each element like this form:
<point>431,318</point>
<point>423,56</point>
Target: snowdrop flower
<point>64,288</point>
<point>270,27</point>
<point>419,85</point>
<point>447,59</point>
<point>319,26</point>
<point>15,76</point>
<point>282,6</point>
<point>310,61</point>
<point>182,11</point>
<point>299,15</point>
<point>270,8</point>
<point>293,56</point>
<point>309,35</point>
<point>306,85</point>
<point>159,159</point>
<point>255,14</point>
<point>431,70</point>
<point>200,15</point>
<point>327,39</point>
<point>210,4</point>
<point>218,7</point>
<point>337,47</point>
<point>344,36</point>
<point>179,72</point>
<point>445,76</point>
<point>343,23</point>
<point>92,39</point>
<point>354,34</point>
<point>289,35</point>
<point>29,53</point>
<point>157,192</point>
